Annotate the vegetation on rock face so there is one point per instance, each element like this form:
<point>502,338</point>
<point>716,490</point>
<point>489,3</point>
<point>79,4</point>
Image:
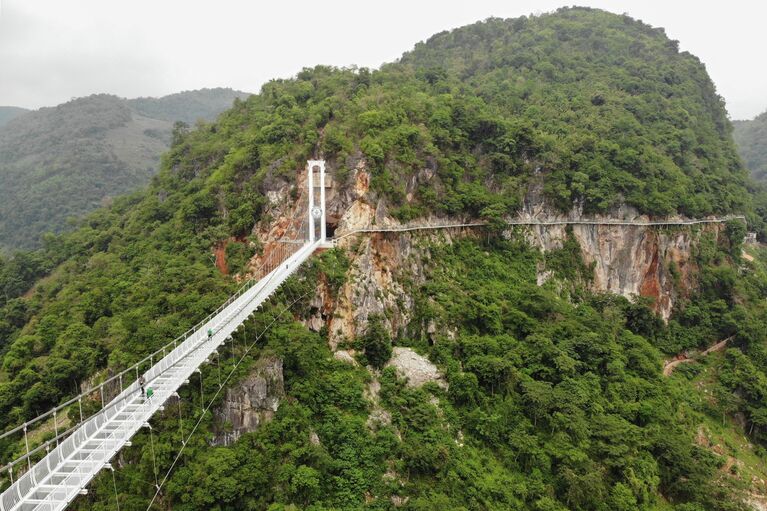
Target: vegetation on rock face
<point>56,163</point>
<point>552,404</point>
<point>605,106</point>
<point>376,342</point>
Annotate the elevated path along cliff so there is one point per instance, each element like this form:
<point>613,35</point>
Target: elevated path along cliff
<point>544,222</point>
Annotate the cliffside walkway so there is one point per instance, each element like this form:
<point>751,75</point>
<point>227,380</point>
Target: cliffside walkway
<point>536,221</point>
<point>75,456</point>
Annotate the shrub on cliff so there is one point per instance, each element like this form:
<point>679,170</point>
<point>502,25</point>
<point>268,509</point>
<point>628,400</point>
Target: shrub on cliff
<point>376,342</point>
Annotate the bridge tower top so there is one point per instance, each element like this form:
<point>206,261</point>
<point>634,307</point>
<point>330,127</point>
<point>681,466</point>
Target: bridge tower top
<point>316,205</point>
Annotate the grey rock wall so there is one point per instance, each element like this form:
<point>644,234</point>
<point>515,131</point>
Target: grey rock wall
<point>252,402</point>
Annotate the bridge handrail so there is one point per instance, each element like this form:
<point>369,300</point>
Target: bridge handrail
<point>117,377</point>
<point>187,348</point>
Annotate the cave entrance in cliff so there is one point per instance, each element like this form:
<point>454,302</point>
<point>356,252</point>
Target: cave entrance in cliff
<point>331,223</point>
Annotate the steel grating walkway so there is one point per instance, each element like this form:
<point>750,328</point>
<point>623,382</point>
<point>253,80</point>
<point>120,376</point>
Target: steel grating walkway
<point>62,474</point>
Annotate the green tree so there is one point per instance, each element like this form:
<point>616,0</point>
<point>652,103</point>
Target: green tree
<point>376,342</point>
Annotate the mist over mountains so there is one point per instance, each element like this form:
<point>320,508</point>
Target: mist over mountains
<point>751,138</point>
<point>65,161</point>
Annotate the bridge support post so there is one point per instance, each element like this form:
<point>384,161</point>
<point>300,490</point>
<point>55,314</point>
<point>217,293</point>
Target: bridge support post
<point>323,225</point>
<point>310,184</point>
<point>316,211</point>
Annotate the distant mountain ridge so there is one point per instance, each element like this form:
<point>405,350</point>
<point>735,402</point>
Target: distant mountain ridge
<point>187,106</point>
<point>7,113</point>
<point>65,161</point>
<point>751,139</point>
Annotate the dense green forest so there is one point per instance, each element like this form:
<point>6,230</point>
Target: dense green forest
<point>62,162</point>
<point>556,399</point>
<point>751,138</point>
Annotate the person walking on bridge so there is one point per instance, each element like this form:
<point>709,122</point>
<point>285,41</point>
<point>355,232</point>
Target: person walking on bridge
<point>141,383</point>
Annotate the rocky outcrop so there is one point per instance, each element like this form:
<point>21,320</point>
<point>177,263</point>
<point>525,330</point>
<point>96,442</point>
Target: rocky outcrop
<point>372,287</point>
<point>415,368</point>
<point>345,356</point>
<point>378,416</point>
<point>252,402</point>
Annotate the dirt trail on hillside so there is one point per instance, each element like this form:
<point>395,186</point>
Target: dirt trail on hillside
<point>670,365</point>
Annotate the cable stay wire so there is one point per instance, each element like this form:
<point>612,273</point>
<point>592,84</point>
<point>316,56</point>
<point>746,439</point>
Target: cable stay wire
<point>213,399</point>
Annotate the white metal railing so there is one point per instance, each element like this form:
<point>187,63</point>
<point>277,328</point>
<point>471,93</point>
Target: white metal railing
<point>58,478</point>
<point>272,260</point>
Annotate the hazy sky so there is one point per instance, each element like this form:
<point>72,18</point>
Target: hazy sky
<point>53,50</point>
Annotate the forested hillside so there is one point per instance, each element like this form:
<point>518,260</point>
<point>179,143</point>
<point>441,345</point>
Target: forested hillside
<point>9,112</point>
<point>751,138</point>
<point>619,113</point>
<point>555,398</point>
<point>62,162</point>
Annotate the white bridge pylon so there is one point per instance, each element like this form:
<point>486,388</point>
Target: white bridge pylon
<point>316,211</point>
<point>53,482</point>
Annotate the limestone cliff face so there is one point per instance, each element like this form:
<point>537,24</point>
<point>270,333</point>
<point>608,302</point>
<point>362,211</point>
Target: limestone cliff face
<point>633,261</point>
<point>381,263</point>
<point>385,266</point>
<point>252,402</point>
<point>649,261</point>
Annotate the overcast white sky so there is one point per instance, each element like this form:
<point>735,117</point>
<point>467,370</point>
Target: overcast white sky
<point>53,50</point>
